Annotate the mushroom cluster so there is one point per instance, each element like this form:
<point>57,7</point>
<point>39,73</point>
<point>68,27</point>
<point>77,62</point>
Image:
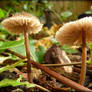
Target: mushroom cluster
<point>76,33</point>
<point>23,23</point>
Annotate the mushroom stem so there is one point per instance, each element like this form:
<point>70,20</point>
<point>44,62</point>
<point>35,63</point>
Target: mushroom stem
<point>83,66</point>
<point>28,56</point>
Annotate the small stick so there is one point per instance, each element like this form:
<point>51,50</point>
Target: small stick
<point>42,88</point>
<point>58,65</point>
<point>48,65</point>
<point>83,66</point>
<point>15,53</point>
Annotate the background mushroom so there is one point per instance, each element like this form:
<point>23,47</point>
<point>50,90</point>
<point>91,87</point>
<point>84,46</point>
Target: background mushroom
<point>75,33</point>
<point>23,23</point>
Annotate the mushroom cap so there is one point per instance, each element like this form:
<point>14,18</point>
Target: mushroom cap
<point>71,33</point>
<point>21,22</point>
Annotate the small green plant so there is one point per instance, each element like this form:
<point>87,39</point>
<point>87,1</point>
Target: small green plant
<point>90,46</point>
<point>65,15</point>
<point>8,67</point>
<point>67,49</point>
<point>14,83</point>
<point>2,13</point>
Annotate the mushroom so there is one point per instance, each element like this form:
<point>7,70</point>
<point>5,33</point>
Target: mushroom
<point>23,23</point>
<point>76,33</point>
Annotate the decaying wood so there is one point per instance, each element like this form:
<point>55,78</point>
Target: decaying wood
<point>57,56</point>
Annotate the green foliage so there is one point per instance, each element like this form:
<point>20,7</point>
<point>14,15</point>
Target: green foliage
<point>53,40</point>
<point>8,67</point>
<point>47,5</point>
<point>40,53</point>
<point>68,49</point>
<point>65,15</point>
<point>3,30</point>
<point>33,49</point>
<point>73,90</point>
<point>90,46</point>
<point>14,83</point>
<point>9,44</point>
<point>36,54</point>
<point>21,49</point>
<point>1,43</point>
<point>2,13</point>
<point>88,12</point>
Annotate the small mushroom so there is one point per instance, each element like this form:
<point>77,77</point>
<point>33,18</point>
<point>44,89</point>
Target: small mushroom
<point>76,33</point>
<point>23,23</point>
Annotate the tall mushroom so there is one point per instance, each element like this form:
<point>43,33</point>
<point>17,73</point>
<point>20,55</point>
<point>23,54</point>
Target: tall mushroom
<point>77,32</point>
<point>23,23</point>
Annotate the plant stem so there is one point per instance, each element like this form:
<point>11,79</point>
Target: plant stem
<point>28,56</point>
<point>83,66</point>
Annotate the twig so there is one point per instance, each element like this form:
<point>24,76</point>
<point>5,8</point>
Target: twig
<point>59,77</point>
<point>42,88</point>
<point>56,65</point>
<point>16,54</point>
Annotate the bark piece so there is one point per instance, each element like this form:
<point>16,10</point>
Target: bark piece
<point>55,56</point>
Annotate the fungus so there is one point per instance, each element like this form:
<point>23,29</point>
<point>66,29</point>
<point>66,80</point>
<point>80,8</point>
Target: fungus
<point>77,32</point>
<point>23,23</point>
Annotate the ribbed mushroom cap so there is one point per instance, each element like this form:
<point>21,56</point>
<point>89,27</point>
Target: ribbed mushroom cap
<point>21,22</point>
<point>71,33</point>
